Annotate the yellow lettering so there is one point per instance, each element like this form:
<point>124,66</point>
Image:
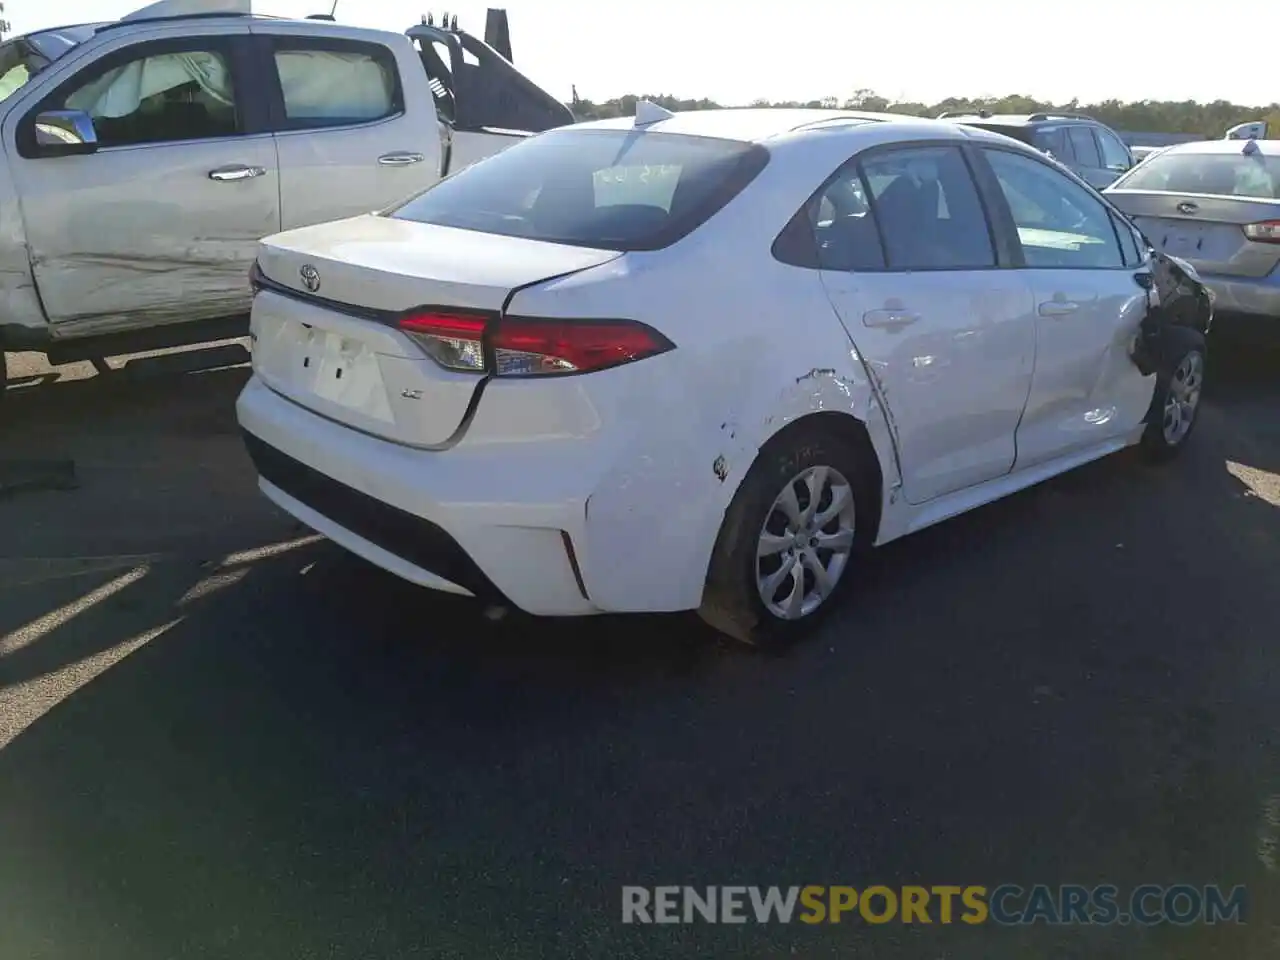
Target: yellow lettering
<point>975,899</point>
<point>890,905</point>
<point>843,900</point>
<point>945,894</point>
<point>915,905</point>
<point>815,910</point>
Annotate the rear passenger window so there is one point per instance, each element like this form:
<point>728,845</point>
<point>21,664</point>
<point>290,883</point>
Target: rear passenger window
<point>330,85</point>
<point>1084,146</point>
<point>1060,223</point>
<point>835,231</point>
<point>926,204</point>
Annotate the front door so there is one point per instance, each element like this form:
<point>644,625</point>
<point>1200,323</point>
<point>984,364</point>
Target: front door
<point>355,123</point>
<point>161,224</point>
<point>948,336</point>
<point>1086,390</point>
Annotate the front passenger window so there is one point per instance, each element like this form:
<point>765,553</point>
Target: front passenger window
<point>159,99</point>
<point>1131,244</point>
<point>1059,222</point>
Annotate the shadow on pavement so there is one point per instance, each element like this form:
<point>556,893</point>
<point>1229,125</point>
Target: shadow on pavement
<point>314,759</point>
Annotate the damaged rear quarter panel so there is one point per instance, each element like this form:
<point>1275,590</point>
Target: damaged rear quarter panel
<point>691,422</point>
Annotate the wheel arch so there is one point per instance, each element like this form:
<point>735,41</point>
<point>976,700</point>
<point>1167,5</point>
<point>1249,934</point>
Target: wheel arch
<point>847,428</point>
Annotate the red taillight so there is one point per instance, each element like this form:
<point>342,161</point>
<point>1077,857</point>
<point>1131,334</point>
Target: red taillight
<point>1268,231</point>
<point>529,347</point>
<point>525,347</point>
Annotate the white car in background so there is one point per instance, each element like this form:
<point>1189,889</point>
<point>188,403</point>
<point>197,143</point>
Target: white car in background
<point>702,361</point>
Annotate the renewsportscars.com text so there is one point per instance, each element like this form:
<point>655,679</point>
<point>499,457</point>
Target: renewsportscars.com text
<point>1005,905</point>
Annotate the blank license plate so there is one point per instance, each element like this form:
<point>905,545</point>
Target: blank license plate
<point>338,369</point>
<point>1183,242</point>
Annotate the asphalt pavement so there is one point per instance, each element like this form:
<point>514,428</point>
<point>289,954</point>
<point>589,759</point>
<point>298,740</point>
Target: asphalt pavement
<point>223,738</point>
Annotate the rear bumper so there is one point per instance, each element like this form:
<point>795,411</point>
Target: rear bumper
<point>1253,297</point>
<point>410,512</point>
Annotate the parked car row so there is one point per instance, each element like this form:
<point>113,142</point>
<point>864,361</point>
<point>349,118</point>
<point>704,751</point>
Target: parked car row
<point>1091,150</point>
<point>669,362</point>
<point>1214,203</point>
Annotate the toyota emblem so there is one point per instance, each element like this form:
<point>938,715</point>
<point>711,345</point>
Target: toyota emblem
<point>310,278</point>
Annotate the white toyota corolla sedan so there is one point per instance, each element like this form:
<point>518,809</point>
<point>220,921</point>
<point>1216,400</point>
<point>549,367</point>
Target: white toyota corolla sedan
<point>703,361</point>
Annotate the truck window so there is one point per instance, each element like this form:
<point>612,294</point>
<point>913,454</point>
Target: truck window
<point>339,84</point>
<point>157,99</point>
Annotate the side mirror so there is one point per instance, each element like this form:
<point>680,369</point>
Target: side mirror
<point>65,133</point>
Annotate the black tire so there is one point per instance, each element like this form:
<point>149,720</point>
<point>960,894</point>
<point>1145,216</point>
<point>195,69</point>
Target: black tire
<point>732,601</point>
<point>4,373</point>
<point>1186,350</point>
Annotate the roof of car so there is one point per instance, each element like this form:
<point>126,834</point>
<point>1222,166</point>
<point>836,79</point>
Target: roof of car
<point>751,124</point>
<point>1268,148</point>
<point>1022,119</point>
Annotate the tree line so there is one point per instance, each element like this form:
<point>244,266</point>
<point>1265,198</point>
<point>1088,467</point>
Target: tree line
<point>1209,120</point>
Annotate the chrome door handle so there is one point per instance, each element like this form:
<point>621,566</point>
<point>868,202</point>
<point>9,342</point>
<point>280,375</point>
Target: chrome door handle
<point>236,171</point>
<point>400,159</point>
<point>1058,308</point>
<point>889,318</point>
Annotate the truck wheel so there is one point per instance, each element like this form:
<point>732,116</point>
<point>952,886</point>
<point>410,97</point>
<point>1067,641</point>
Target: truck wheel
<point>4,374</point>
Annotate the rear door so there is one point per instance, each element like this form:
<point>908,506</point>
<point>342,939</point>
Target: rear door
<point>161,223</point>
<point>948,334</point>
<point>354,120</point>
<point>1088,303</point>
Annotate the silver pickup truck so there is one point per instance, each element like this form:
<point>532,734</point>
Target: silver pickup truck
<point>142,160</point>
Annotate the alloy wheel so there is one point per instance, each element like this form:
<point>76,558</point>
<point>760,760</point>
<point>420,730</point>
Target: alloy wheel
<point>805,543</point>
<point>1182,398</point>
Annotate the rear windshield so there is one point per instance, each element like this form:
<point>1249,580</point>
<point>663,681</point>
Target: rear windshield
<point>1224,175</point>
<point>612,189</point>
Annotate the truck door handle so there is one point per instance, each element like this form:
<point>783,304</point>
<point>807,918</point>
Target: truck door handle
<point>400,159</point>
<point>889,318</point>
<point>236,171</point>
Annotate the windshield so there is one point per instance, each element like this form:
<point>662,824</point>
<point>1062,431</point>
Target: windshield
<point>612,189</point>
<point>23,57</point>
<point>1216,174</point>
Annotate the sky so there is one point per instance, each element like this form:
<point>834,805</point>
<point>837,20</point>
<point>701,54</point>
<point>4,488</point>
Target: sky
<point>926,50</point>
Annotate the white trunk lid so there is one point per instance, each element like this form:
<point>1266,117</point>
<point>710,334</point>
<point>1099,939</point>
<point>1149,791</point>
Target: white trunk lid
<point>332,345</point>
